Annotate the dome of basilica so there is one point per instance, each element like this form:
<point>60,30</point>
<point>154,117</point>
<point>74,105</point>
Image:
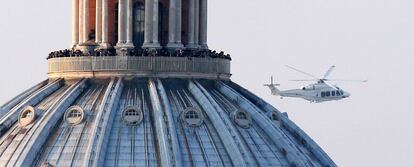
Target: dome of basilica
<point>140,87</point>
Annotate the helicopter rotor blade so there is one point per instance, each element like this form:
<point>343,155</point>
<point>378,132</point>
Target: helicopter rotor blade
<point>303,80</point>
<point>300,71</point>
<point>328,72</point>
<point>331,85</point>
<point>346,80</point>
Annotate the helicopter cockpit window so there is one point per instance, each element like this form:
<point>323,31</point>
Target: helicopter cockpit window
<point>338,93</point>
<point>322,94</point>
<point>328,94</point>
<point>342,92</point>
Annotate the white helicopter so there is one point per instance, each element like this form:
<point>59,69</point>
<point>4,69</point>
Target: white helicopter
<point>321,91</point>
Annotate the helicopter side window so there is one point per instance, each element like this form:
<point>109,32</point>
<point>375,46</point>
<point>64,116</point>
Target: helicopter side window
<point>322,94</point>
<point>338,93</point>
<point>328,94</point>
<point>333,93</point>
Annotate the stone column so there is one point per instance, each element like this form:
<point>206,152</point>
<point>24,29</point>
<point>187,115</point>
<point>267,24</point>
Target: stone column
<point>98,22</point>
<point>80,22</point>
<point>179,22</point>
<point>75,23</point>
<point>151,24</point>
<point>203,24</point>
<point>191,24</point>
<point>155,25</point>
<point>121,23</point>
<point>174,31</point>
<point>129,21</point>
<point>85,21</point>
<point>105,23</point>
<point>148,23</point>
<point>197,24</point>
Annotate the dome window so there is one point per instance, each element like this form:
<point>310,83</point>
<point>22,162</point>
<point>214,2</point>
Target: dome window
<point>27,116</point>
<point>242,119</point>
<point>74,115</point>
<point>193,117</point>
<point>132,116</point>
<point>274,117</point>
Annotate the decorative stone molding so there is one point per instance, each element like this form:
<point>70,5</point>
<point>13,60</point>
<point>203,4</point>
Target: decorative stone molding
<point>164,67</point>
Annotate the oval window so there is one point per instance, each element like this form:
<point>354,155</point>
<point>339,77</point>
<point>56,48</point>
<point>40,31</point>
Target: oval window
<point>193,117</point>
<point>74,115</point>
<point>242,119</point>
<point>132,116</point>
<point>274,117</point>
<point>27,116</point>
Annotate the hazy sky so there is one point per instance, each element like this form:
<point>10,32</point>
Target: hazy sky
<point>365,39</point>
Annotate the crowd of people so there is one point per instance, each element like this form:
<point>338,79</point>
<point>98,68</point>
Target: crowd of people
<point>141,52</point>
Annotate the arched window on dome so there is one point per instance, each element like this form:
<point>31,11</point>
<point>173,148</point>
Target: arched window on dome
<point>191,115</point>
<point>27,114</point>
<point>132,116</point>
<point>74,115</point>
<point>275,118</point>
<point>241,116</point>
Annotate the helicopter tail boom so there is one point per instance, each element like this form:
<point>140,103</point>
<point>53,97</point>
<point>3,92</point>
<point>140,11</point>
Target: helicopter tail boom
<point>272,87</point>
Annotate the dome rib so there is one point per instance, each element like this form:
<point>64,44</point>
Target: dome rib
<point>107,104</point>
<point>44,126</point>
<point>288,124</point>
<point>176,152</point>
<point>231,140</point>
<point>164,144</point>
<point>104,123</point>
<point>16,100</point>
<point>12,116</point>
<point>146,98</point>
<point>164,138</point>
<point>274,133</point>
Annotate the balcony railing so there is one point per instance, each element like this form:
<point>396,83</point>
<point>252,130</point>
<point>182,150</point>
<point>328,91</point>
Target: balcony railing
<point>171,66</point>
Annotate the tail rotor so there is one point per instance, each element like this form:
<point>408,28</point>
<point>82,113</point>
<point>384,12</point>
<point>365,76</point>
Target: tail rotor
<point>272,87</point>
